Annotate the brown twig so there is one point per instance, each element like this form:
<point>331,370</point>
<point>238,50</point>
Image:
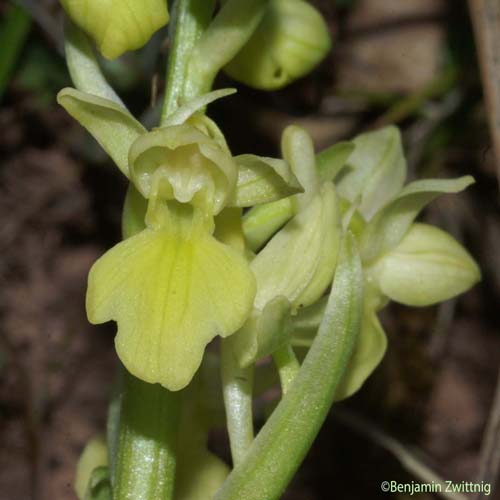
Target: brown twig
<point>485,16</point>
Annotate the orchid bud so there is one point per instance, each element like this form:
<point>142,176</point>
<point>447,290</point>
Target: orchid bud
<point>291,39</point>
<point>428,266</point>
<point>116,25</point>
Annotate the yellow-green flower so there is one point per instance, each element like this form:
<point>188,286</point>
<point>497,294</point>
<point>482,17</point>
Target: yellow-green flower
<point>411,263</point>
<point>297,265</point>
<point>299,261</point>
<point>171,285</point>
<point>183,163</point>
<point>171,289</point>
<point>118,25</point>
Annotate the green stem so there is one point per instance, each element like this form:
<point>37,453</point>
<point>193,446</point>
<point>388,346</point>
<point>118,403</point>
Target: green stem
<point>237,387</point>
<point>226,35</point>
<point>142,443</point>
<point>288,366</point>
<point>149,418</point>
<point>283,442</point>
<point>189,19</point>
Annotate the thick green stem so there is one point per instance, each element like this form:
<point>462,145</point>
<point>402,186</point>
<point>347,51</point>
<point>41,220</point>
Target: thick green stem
<point>288,366</point>
<point>237,387</point>
<point>281,445</point>
<point>149,419</point>
<point>226,35</point>
<point>189,19</point>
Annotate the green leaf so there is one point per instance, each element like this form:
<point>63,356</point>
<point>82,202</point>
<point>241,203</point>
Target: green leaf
<point>390,224</point>
<point>94,455</point>
<point>368,352</point>
<point>264,332</point>
<point>286,437</point>
<point>118,26</point>
<point>114,128</point>
<point>299,261</point>
<point>262,221</point>
<point>375,172</point>
<point>263,180</point>
<point>427,267</point>
<point>171,291</point>
<point>83,67</point>
<point>332,160</point>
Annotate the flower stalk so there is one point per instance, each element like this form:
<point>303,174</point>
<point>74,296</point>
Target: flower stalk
<point>288,366</point>
<point>282,443</point>
<point>237,385</point>
<point>146,460</point>
<point>190,19</point>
